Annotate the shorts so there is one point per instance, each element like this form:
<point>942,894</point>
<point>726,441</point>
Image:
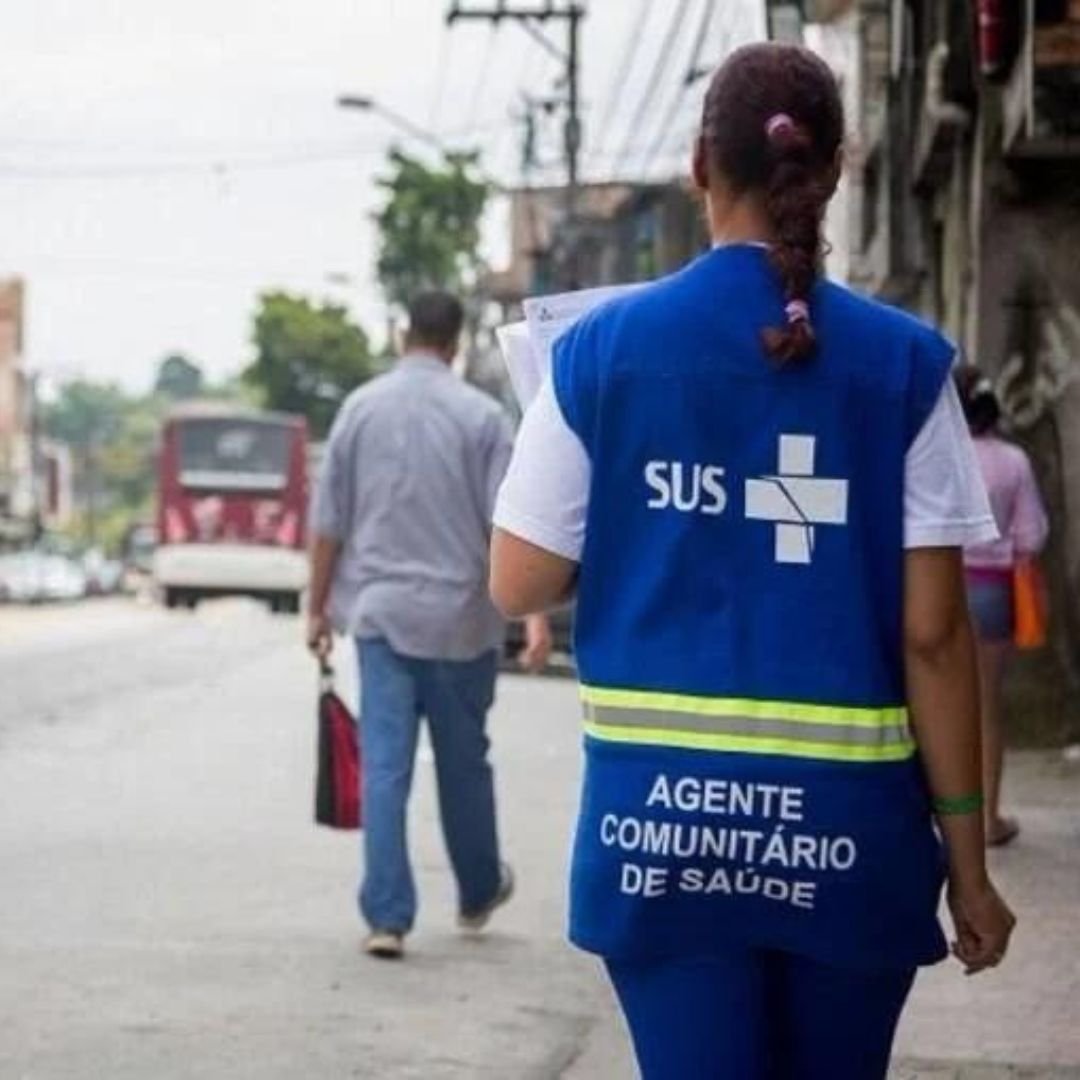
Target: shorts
<point>990,599</point>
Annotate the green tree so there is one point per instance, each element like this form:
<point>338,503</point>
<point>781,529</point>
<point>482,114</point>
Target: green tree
<point>85,412</point>
<point>87,416</point>
<point>307,357</point>
<point>429,228</point>
<point>178,378</point>
<point>127,460</point>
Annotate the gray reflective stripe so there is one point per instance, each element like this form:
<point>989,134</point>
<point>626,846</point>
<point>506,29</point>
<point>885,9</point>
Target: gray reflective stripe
<point>750,726</point>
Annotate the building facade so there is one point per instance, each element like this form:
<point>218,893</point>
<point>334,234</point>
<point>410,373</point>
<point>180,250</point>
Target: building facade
<point>17,481</point>
<point>621,232</point>
<point>963,204</point>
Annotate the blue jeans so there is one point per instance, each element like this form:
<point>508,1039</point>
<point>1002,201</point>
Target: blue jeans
<point>454,696</point>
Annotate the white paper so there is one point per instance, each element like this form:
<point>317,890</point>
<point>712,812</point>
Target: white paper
<point>548,317</point>
<point>525,370</point>
<point>527,346</point>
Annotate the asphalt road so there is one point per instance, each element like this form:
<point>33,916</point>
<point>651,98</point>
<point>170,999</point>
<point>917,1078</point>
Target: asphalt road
<point>168,911</point>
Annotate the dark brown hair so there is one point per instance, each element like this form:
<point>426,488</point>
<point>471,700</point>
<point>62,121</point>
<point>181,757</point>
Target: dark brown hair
<point>773,124</point>
<point>435,320</point>
<point>982,410</point>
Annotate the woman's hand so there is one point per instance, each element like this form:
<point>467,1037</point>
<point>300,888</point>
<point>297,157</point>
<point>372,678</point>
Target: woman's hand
<point>537,651</point>
<point>983,924</point>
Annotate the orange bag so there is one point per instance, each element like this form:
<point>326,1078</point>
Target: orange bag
<point>1029,606</point>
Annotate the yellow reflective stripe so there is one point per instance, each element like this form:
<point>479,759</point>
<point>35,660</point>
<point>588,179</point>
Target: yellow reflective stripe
<point>747,744</point>
<point>747,725</point>
<point>755,727</point>
<point>841,715</point>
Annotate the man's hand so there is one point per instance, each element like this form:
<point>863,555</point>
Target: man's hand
<point>983,924</point>
<point>537,651</point>
<point>320,636</point>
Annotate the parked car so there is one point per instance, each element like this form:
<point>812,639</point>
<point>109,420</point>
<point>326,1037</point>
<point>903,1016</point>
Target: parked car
<point>62,578</point>
<point>31,577</point>
<point>9,572</point>
<point>104,576</point>
<point>139,545</point>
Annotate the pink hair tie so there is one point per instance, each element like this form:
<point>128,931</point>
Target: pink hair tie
<point>797,311</point>
<point>780,122</point>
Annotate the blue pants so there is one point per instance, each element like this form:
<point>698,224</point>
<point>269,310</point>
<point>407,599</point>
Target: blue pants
<point>395,692</point>
<point>759,1015</point>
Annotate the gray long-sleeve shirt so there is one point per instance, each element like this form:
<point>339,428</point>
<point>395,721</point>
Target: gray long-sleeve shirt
<point>408,484</point>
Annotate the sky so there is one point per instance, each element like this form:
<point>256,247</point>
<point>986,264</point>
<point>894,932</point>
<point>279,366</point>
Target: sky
<point>162,163</point>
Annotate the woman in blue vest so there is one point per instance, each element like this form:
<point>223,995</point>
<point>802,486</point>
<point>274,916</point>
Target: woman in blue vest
<point>758,484</point>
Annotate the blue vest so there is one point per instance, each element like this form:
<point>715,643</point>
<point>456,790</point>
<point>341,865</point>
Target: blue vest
<point>751,776</point>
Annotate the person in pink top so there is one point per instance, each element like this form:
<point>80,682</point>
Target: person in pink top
<point>1022,525</point>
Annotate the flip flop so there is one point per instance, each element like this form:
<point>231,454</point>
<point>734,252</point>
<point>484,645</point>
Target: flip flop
<point>1007,830</point>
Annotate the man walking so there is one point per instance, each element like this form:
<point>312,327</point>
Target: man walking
<point>402,516</point>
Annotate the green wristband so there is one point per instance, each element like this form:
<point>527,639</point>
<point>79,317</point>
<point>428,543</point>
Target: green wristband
<point>961,804</point>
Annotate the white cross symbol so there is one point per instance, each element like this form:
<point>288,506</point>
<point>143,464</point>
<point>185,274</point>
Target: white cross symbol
<point>795,500</point>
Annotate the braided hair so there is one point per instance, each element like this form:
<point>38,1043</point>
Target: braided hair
<point>773,126</point>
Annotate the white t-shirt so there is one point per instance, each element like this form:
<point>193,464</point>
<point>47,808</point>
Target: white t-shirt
<point>544,498</point>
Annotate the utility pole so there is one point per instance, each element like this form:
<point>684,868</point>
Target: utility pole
<point>571,14</point>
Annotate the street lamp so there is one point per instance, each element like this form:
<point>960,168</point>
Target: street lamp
<point>368,104</point>
<point>363,103</point>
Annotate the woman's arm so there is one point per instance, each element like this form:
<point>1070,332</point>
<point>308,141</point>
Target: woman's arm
<point>1029,527</point>
<point>541,511</point>
<point>525,578</point>
<point>943,696</point>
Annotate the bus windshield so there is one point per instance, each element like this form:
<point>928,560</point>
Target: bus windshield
<point>233,454</point>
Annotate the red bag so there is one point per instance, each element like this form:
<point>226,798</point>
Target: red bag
<point>337,776</point>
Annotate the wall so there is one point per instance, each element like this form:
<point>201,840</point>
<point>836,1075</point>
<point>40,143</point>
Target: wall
<point>16,483</point>
<point>939,222</point>
<point>838,44</point>
<point>1028,337</point>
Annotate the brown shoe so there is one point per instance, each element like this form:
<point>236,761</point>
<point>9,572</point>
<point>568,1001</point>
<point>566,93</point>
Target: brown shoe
<point>1002,832</point>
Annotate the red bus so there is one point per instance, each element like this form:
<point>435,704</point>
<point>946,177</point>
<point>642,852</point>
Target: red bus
<point>232,506</point>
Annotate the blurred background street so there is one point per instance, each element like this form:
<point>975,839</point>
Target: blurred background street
<point>168,910</point>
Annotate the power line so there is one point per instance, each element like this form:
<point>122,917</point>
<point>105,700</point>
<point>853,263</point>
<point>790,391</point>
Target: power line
<point>664,130</point>
<point>622,73</point>
<point>733,31</point>
<point>438,84</point>
<point>535,69</point>
<point>504,148</point>
<point>542,40</point>
<point>173,147</point>
<point>176,269</point>
<point>571,15</point>
<point>694,71</point>
<point>482,75</point>
<point>43,163</point>
<point>654,79</point>
<point>529,72</point>
<point>211,167</point>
